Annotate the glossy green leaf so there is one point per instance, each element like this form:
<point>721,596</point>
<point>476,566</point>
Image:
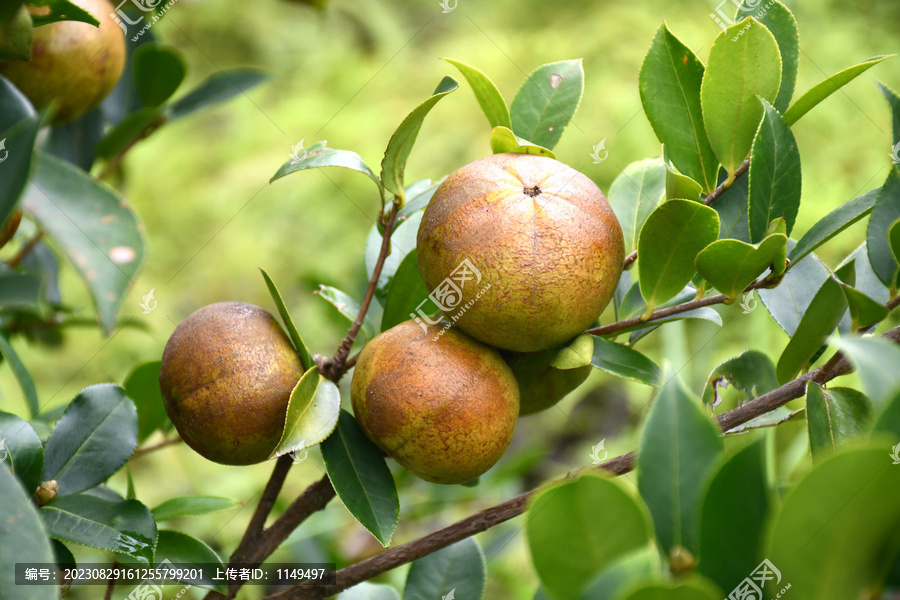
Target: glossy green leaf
<point>888,421</point>
<point>788,302</point>
<point>349,307</point>
<point>894,239</point>
<point>832,537</point>
<point>16,146</point>
<point>299,345</point>
<point>23,377</point>
<point>731,265</point>
<point>62,554</point>
<point>729,547</point>
<point>624,573</point>
<point>158,71</point>
<point>129,130</point>
<point>504,140</point>
<point>217,88</point>
<point>682,186</point>
<point>644,327</point>
<point>19,290</point>
<point>732,208</point>
<point>677,452</point>
<point>312,413</point>
<point>14,106</point>
<point>547,101</point>
<point>93,226</point>
<point>834,223</point>
<point>893,101</point>
<point>751,372</point>
<point>835,416</point>
<point>403,241</point>
<point>669,81</point>
<point>123,526</point>
<point>320,155</point>
<point>24,540</point>
<point>878,363</point>
<point>818,322</point>
<point>864,311</point>
<point>595,519</point>
<point>775,179</point>
<point>142,386</point>
<point>781,22</point>
<point>393,166</point>
<point>190,553</point>
<point>407,294</point>
<point>668,244</point>
<point>457,570</point>
<point>21,450</point>
<point>737,72</point>
<point>93,439</point>
<point>189,506</point>
<point>885,213</point>
<point>63,10</point>
<point>578,353</point>
<point>695,588</point>
<point>489,97</point>
<point>825,88</point>
<point>361,478</point>
<point>635,194</point>
<point>369,591</point>
<point>624,362</point>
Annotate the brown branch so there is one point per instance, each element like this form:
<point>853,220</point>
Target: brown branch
<point>485,519</point>
<point>629,260</point>
<point>163,444</point>
<point>266,502</point>
<point>16,260</point>
<point>745,166</point>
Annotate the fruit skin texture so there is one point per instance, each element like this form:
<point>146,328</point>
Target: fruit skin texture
<point>445,409</point>
<point>540,385</point>
<point>540,233</point>
<point>72,63</point>
<point>227,375</point>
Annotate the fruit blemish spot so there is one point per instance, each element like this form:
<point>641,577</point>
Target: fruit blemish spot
<point>531,191</point>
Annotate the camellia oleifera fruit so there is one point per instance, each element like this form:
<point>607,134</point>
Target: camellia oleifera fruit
<point>541,385</point>
<point>444,407</point>
<point>546,248</point>
<point>226,378</point>
<point>75,65</point>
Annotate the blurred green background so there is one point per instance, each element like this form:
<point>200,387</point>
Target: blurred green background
<point>348,75</point>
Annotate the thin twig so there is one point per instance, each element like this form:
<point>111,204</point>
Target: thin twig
<point>745,166</point>
<point>16,260</point>
<point>163,444</point>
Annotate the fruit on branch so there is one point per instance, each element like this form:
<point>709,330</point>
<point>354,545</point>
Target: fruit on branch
<point>227,375</point>
<point>540,385</point>
<point>73,65</point>
<point>438,402</point>
<point>523,251</point>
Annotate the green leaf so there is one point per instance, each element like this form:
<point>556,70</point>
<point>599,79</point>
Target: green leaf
<point>888,422</point>
<point>579,353</point>
<point>834,416</point>
<point>418,195</point>
<point>489,97</point>
<point>24,540</point>
<point>189,506</point>
<point>737,72</point>
<point>123,526</point>
<point>457,570</point>
<point>635,194</point>
<point>17,149</point>
<point>349,307</point>
<point>788,302</point>
<point>63,10</point>
<point>695,588</point>
<point>731,265</point>
<point>361,478</point>
<point>190,553</point>
<point>644,327</point>
<point>864,311</point>
<point>369,591</point>
<point>92,440</point>
<point>504,140</point>
<point>142,386</point>
<point>825,88</point>
<point>217,88</point>
<point>16,35</point>
<point>732,207</point>
<point>406,294</point>
<point>780,415</point>
<point>836,534</point>
<point>393,166</point>
<point>21,450</point>
<point>93,226</point>
<point>305,358</point>
<point>885,213</point>
<point>729,547</point>
<point>751,372</point>
<point>681,186</point>
<point>130,129</point>
<point>14,106</point>
<point>670,79</point>
<point>893,101</point>
<point>894,239</point>
<point>158,71</point>
<point>23,377</point>
<point>403,241</point>
<point>775,180</point>
<point>668,244</point>
<point>547,101</point>
<point>834,223</point>
<point>319,155</point>
<point>878,363</point>
<point>624,573</point>
<point>781,22</point>
<point>818,322</point>
<point>677,452</point>
<point>624,362</point>
<point>595,519</point>
<point>312,413</point>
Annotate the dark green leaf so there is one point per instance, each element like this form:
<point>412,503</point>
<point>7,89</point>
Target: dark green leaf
<point>406,294</point>
<point>312,413</point>
<point>695,588</point>
<point>788,302</point>
<point>731,265</point>
<point>22,376</point>
<point>349,307</point>
<point>76,142</point>
<point>638,566</point>
<point>677,452</point>
<point>14,106</point>
<point>16,150</point>
<point>547,101</point>
<point>877,362</point>
<point>189,506</point>
<point>833,223</point>
<point>369,591</point>
<point>568,515</point>
<point>670,80</point>
<point>835,416</point>
<point>888,422</point>
<point>21,450</point>
<point>217,88</point>
<point>63,10</point>
<point>319,155</point>
<point>893,101</point>
<point>751,372</point>
<point>158,71</point>
<point>92,440</point>
<point>305,358</point>
<point>732,207</point>
<point>489,97</point>
<point>624,362</point>
<point>361,478</point>
<point>885,213</point>
<point>864,311</point>
<point>62,554</point>
<point>635,194</point>
<point>825,88</point>
<point>393,166</point>
<point>142,386</point>
<point>129,130</point>
<point>190,553</point>
<point>781,22</point>
<point>504,140</point>
<point>457,570</point>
